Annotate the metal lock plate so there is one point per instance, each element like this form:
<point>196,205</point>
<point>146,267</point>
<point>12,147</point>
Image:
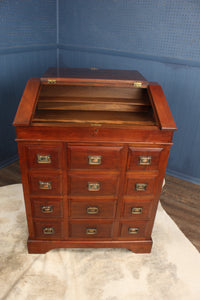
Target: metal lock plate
<point>43,159</point>
<point>94,186</point>
<point>45,185</point>
<point>94,159</point>
<point>140,187</point>
<point>145,160</point>
<point>136,210</point>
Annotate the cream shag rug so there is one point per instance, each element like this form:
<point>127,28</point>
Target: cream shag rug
<point>170,272</point>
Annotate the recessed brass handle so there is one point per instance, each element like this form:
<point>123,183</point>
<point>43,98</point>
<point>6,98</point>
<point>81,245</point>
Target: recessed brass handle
<point>43,159</point>
<point>91,231</point>
<point>133,230</point>
<point>136,210</point>
<point>48,230</point>
<point>92,210</point>
<point>45,185</point>
<point>140,187</point>
<point>145,160</point>
<point>47,209</point>
<point>94,186</point>
<point>94,159</point>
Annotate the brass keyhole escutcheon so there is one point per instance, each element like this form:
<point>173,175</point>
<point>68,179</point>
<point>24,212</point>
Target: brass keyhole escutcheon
<point>48,230</point>
<point>94,159</point>
<point>47,209</point>
<point>140,187</point>
<point>133,230</point>
<point>136,210</point>
<point>91,231</point>
<point>92,210</point>
<point>94,186</point>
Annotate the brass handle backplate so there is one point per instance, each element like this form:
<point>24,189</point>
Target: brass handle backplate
<point>94,159</point>
<point>94,186</point>
<point>48,230</point>
<point>47,209</point>
<point>145,160</point>
<point>136,210</point>
<point>140,187</point>
<point>133,230</point>
<point>91,231</point>
<point>43,159</point>
<point>45,185</point>
<point>92,210</point>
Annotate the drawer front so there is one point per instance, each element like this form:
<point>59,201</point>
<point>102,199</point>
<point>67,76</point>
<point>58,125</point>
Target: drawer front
<point>141,185</point>
<point>140,158</point>
<point>92,209</point>
<point>137,209</point>
<point>48,230</point>
<point>91,157</point>
<point>44,156</point>
<point>90,230</point>
<point>95,185</point>
<point>134,230</point>
<point>42,208</point>
<point>48,185</point>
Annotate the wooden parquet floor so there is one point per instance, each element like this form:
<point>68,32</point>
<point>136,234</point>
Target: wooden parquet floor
<point>180,199</point>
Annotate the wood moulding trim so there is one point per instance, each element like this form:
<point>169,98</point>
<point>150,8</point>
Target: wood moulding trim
<point>42,246</point>
<point>182,176</point>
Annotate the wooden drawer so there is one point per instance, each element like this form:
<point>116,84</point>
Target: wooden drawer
<point>141,185</point>
<point>93,185</point>
<point>137,209</point>
<point>43,208</point>
<point>48,229</point>
<point>44,156</point>
<point>92,209</point>
<point>48,185</point>
<point>90,230</point>
<point>141,158</point>
<point>134,230</point>
<point>94,157</point>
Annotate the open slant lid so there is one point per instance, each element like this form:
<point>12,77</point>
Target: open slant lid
<point>88,97</point>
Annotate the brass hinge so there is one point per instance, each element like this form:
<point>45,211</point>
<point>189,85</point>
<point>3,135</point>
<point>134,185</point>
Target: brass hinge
<point>137,84</point>
<point>51,80</point>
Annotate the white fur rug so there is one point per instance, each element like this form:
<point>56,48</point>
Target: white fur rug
<point>170,272</point>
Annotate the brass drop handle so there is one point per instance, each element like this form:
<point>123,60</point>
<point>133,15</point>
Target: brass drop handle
<point>47,209</point>
<point>48,230</point>
<point>92,210</point>
<point>94,159</point>
<point>94,186</point>
<point>145,160</point>
<point>136,210</point>
<point>133,230</point>
<point>45,185</point>
<point>140,187</point>
<point>91,231</point>
<point>43,159</point>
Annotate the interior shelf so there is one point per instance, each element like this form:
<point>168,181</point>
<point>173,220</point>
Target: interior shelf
<point>89,104</point>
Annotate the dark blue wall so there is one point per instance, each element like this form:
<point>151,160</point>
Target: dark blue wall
<point>27,48</point>
<point>159,38</point>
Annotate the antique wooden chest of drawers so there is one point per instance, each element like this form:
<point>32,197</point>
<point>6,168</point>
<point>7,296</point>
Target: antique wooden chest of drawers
<point>93,149</point>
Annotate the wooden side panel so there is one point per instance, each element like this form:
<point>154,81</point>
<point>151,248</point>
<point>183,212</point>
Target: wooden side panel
<point>161,107</point>
<point>27,103</point>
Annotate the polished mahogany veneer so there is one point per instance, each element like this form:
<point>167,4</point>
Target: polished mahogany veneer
<point>93,148</point>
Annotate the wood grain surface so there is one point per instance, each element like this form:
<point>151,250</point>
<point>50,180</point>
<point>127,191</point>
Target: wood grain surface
<point>179,198</point>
